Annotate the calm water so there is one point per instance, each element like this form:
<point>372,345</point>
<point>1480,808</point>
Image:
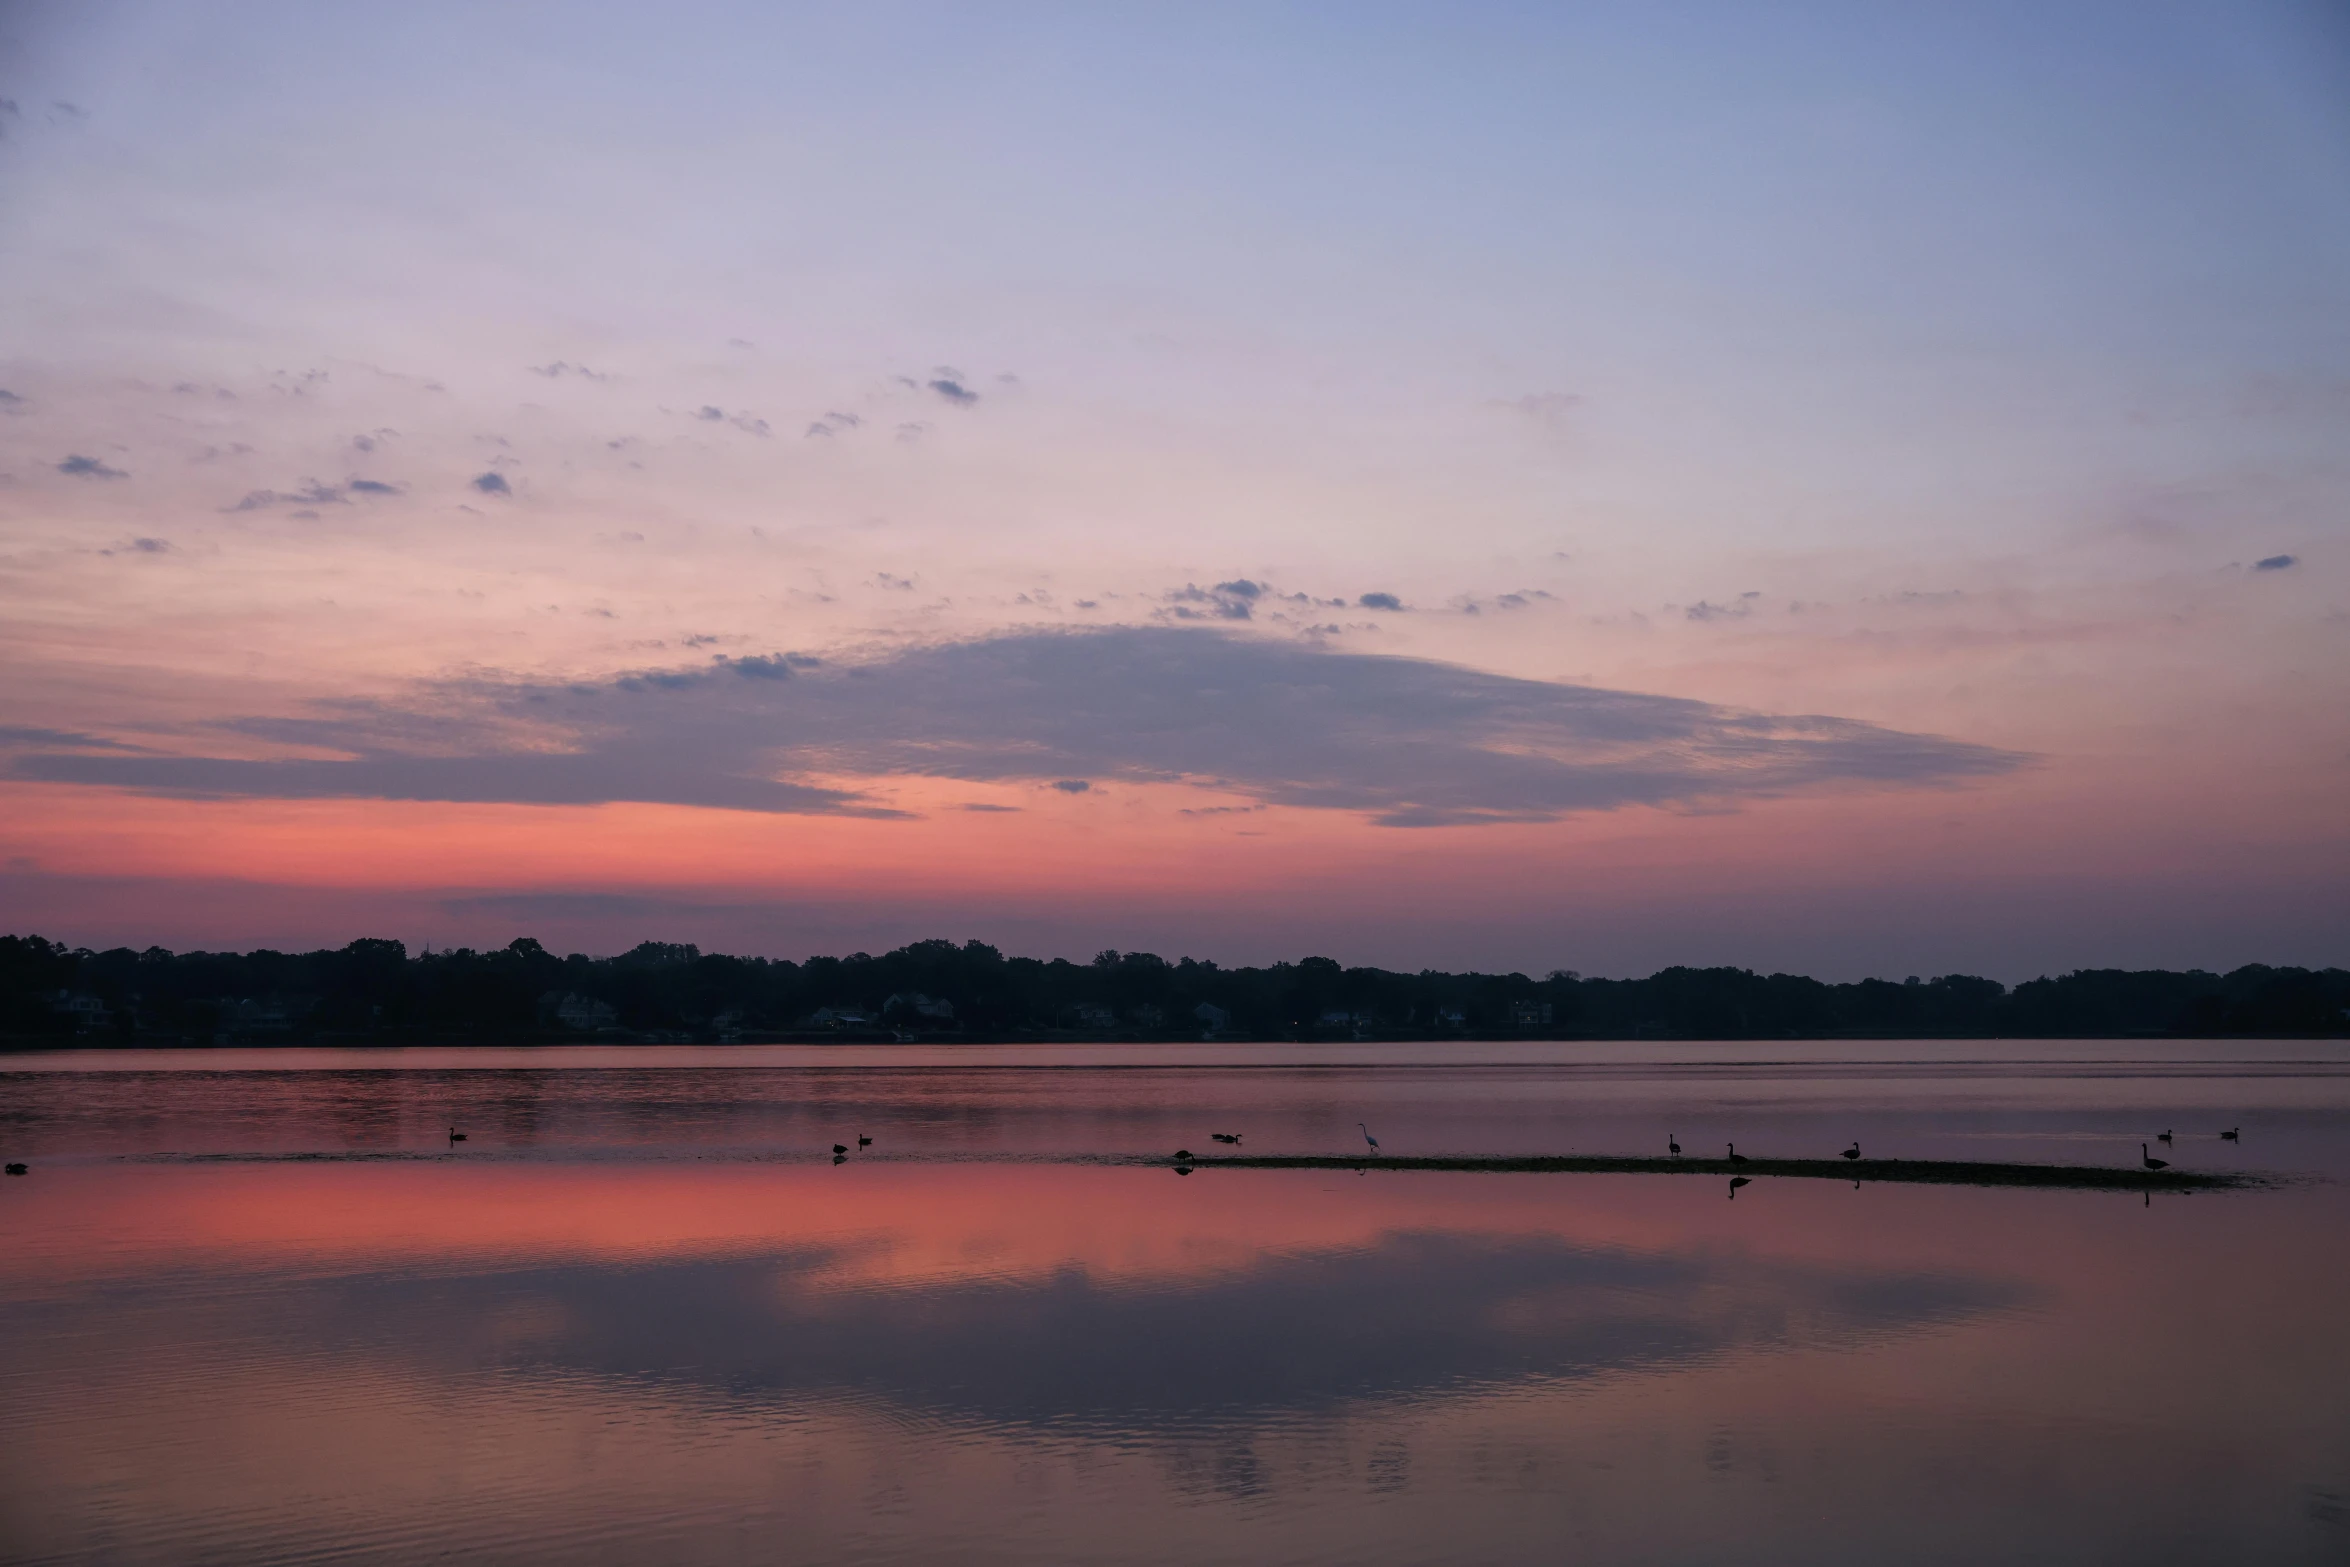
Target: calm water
<point>254,1307</point>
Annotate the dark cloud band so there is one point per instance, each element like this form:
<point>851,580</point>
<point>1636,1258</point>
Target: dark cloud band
<point>1406,742</point>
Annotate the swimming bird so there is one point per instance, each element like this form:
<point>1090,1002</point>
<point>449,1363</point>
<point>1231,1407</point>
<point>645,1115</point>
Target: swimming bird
<point>1673,1144</point>
<point>1735,1156</point>
<point>863,1141</point>
<point>1226,1137</point>
<point>1854,1151</point>
<point>840,1147</point>
<point>16,1169</point>
<point>2150,1161</point>
<point>456,1136</point>
<point>1368,1138</point>
<point>1736,1181</point>
<point>2162,1136</point>
<point>1183,1156</point>
<point>2229,1135</point>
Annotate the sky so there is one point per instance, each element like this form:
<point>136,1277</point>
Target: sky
<point>1846,489</point>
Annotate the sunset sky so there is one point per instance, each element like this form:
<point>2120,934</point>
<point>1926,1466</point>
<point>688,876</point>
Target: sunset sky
<point>1840,488</point>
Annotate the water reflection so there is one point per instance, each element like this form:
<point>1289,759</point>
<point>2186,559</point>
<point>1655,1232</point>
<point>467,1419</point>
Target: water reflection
<point>660,1351</point>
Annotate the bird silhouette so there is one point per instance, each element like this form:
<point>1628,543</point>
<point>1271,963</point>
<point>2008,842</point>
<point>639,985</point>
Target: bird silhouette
<point>2150,1161</point>
<point>1368,1138</point>
<point>863,1141</point>
<point>1736,1181</point>
<point>2162,1136</point>
<point>1183,1156</point>
<point>456,1136</point>
<point>2229,1135</point>
<point>16,1169</point>
<point>1226,1137</point>
<point>1854,1151</point>
<point>1673,1145</point>
<point>840,1147</point>
<point>1735,1156</point>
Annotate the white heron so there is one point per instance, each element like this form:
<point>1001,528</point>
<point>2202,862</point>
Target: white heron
<point>1368,1138</point>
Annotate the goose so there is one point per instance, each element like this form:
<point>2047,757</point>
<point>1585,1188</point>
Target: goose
<point>1226,1137</point>
<point>1183,1156</point>
<point>840,1148</point>
<point>863,1141</point>
<point>16,1169</point>
<point>1854,1151</point>
<point>1673,1145</point>
<point>2229,1135</point>
<point>1736,1181</point>
<point>2150,1161</point>
<point>1735,1156</point>
<point>2162,1136</point>
<point>1368,1138</point>
<point>456,1136</point>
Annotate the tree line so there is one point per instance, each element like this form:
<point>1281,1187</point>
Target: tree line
<point>377,991</point>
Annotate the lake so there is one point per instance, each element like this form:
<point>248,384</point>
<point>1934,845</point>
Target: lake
<point>256,1307</point>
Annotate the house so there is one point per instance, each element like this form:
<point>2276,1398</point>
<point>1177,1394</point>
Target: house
<point>1452,1017</point>
<point>840,1017</point>
<point>932,1007</point>
<point>1093,1015</point>
<point>81,1009</point>
<point>1213,1019</point>
<point>585,1014</point>
<point>1530,1014</point>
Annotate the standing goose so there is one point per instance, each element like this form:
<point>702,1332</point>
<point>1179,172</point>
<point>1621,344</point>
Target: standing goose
<point>1673,1145</point>
<point>2150,1161</point>
<point>1854,1151</point>
<point>1735,1156</point>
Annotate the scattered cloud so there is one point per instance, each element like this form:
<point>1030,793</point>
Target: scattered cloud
<point>1405,742</point>
<point>981,805</point>
<point>834,422</point>
<point>1236,600</point>
<point>912,432</point>
<point>954,391</point>
<point>1379,601</point>
<point>1073,785</point>
<point>1549,409</point>
<point>64,739</point>
<point>492,483</point>
<point>9,400</point>
<point>559,369</point>
<point>372,487</point>
<point>2277,563</point>
<point>312,493</point>
<point>81,467</point>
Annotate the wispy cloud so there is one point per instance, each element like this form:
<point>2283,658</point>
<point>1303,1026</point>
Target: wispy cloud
<point>1405,742</point>
<point>80,467</point>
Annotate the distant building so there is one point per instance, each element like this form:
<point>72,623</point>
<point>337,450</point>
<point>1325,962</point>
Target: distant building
<point>1213,1019</point>
<point>932,1007</point>
<point>1530,1014</point>
<point>81,1009</point>
<point>1093,1015</point>
<point>1452,1017</point>
<point>840,1017</point>
<point>585,1014</point>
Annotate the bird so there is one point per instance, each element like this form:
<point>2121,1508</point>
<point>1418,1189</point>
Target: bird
<point>839,1148</point>
<point>2150,1161</point>
<point>16,1169</point>
<point>456,1136</point>
<point>1735,1156</point>
<point>1226,1137</point>
<point>1854,1151</point>
<point>1183,1156</point>
<point>1736,1181</point>
<point>2229,1135</point>
<point>1368,1138</point>
<point>840,1158</point>
<point>863,1141</point>
<point>1673,1144</point>
<point>2162,1136</point>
